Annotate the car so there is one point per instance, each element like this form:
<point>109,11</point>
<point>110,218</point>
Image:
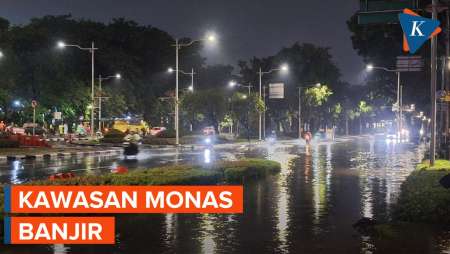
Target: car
<point>156,130</point>
<point>207,131</point>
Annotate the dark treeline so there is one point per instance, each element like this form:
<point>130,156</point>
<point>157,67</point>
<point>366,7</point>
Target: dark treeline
<point>59,79</point>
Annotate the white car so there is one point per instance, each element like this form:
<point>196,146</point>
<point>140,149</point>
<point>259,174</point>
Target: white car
<point>156,130</point>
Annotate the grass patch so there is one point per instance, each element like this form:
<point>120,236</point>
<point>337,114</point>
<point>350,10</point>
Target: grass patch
<point>224,171</point>
<point>438,165</point>
<point>422,198</point>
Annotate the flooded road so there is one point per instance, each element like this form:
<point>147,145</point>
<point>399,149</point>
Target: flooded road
<point>308,208</point>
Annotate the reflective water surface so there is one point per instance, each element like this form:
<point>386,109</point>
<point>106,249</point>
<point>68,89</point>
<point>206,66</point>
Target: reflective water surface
<point>308,208</point>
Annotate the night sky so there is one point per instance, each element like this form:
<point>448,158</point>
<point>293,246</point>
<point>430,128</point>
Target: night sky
<point>245,28</point>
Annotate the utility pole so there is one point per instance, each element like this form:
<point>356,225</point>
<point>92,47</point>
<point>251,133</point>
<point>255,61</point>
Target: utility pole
<point>433,88</point>
<point>100,103</point>
<point>399,114</point>
<point>442,111</point>
<point>445,67</point>
<point>299,113</point>
<point>92,91</point>
<point>260,116</point>
<point>264,116</point>
<point>177,134</point>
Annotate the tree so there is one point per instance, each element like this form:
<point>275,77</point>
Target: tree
<point>211,103</point>
<point>364,110</point>
<point>308,64</point>
<point>33,68</point>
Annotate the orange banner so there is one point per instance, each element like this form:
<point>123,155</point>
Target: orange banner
<point>124,199</point>
<point>59,230</point>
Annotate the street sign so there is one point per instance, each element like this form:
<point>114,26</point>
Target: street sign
<point>276,91</point>
<point>383,11</point>
<point>409,63</point>
<point>33,103</point>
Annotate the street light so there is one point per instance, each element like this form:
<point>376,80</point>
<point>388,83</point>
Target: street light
<point>369,68</point>
<point>210,37</point>
<point>1,54</point>
<point>283,68</point>
<point>300,106</point>
<point>192,73</point>
<point>233,84</point>
<point>61,45</point>
<point>100,80</point>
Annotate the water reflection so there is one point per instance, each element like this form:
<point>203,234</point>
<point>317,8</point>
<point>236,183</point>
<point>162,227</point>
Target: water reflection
<point>21,171</point>
<point>309,207</point>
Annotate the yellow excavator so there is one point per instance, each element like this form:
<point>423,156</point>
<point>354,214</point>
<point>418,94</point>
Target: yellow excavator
<point>131,125</point>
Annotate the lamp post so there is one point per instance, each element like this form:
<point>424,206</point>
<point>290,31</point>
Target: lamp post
<point>178,46</point>
<point>100,97</point>
<point>190,88</point>
<point>283,68</point>
<point>300,107</point>
<point>370,67</point>
<point>192,73</point>
<point>233,84</point>
<point>92,51</point>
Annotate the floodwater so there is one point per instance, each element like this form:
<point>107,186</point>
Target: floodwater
<point>308,208</point>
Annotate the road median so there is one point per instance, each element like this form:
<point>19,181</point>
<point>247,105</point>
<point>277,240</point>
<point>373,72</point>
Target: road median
<point>423,197</point>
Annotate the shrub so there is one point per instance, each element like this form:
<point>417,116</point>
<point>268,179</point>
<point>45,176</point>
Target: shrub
<point>422,198</point>
<point>113,136</point>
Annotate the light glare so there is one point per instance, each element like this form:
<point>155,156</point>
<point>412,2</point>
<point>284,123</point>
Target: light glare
<point>61,44</point>
<point>211,37</point>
